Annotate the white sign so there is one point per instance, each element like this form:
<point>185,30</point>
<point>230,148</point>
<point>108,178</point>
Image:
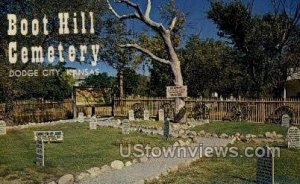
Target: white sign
<point>146,115</point>
<point>176,91</point>
<point>293,136</point>
<point>49,136</point>
<point>2,128</point>
<point>131,115</point>
<point>40,152</point>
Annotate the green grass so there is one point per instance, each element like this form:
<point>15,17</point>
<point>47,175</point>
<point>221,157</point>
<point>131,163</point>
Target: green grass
<point>82,149</point>
<point>149,124</point>
<point>240,170</point>
<point>231,128</point>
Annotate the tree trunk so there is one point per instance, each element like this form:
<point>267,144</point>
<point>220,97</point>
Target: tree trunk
<point>121,84</point>
<point>176,68</point>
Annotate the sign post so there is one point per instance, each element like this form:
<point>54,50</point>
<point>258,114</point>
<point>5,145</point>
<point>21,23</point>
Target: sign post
<point>40,152</point>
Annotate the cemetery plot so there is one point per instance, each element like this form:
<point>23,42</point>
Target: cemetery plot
<point>146,115</point>
<point>49,136</point>
<point>40,152</point>
<point>93,123</point>
<point>286,120</point>
<point>131,115</point>
<point>293,137</point>
<point>125,126</point>
<point>81,117</point>
<point>161,115</point>
<point>2,128</point>
<point>265,167</point>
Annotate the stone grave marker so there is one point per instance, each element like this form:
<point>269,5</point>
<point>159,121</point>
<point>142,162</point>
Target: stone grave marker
<point>146,115</point>
<point>131,115</point>
<point>125,126</point>
<point>285,120</point>
<point>167,128</point>
<point>265,166</point>
<point>161,115</point>
<point>40,152</point>
<point>293,136</point>
<point>93,123</point>
<point>49,136</point>
<point>2,128</point>
<point>81,117</point>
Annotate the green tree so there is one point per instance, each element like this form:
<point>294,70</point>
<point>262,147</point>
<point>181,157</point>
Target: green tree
<point>263,43</point>
<point>102,80</point>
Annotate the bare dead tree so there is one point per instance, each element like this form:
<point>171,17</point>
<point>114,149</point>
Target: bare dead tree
<point>165,34</point>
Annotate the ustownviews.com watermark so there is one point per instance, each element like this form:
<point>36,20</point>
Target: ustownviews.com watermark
<point>139,150</point>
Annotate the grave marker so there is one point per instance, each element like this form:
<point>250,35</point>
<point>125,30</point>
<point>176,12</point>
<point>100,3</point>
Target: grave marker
<point>49,136</point>
<point>161,115</point>
<point>167,128</point>
<point>125,126</point>
<point>93,123</point>
<point>265,166</point>
<point>293,136</point>
<point>146,115</point>
<point>81,117</point>
<point>40,152</point>
<point>2,128</point>
<point>131,115</point>
<point>285,120</point>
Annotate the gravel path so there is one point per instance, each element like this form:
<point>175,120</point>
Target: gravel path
<point>153,167</point>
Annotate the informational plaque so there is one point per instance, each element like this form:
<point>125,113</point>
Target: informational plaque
<point>161,115</point>
<point>176,91</point>
<point>146,115</point>
<point>293,136</point>
<point>40,152</point>
<point>49,136</point>
<point>265,166</point>
<point>131,115</point>
<point>2,128</point>
<point>285,120</point>
<point>125,126</point>
<point>166,128</point>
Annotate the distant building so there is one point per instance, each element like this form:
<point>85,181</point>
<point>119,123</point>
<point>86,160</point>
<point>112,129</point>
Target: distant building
<point>293,84</point>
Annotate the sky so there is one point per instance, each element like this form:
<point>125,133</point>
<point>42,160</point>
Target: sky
<point>197,22</point>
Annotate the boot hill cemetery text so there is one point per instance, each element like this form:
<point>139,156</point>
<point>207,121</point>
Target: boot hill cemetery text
<point>69,23</point>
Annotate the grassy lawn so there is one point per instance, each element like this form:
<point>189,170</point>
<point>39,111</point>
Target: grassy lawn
<point>156,124</point>
<point>231,128</point>
<point>238,170</point>
<point>82,149</point>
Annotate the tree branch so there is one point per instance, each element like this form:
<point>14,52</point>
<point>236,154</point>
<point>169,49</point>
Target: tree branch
<point>173,23</point>
<point>138,14</point>
<point>146,51</point>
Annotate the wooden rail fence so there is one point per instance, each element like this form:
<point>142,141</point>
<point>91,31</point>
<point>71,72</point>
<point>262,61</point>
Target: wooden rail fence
<point>259,110</point>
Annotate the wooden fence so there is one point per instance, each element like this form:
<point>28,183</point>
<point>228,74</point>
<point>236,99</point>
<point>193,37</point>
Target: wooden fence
<point>43,111</point>
<point>259,110</point>
<point>39,111</point>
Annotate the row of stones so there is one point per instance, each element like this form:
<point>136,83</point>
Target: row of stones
<point>118,165</point>
<point>32,125</point>
<point>267,137</point>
